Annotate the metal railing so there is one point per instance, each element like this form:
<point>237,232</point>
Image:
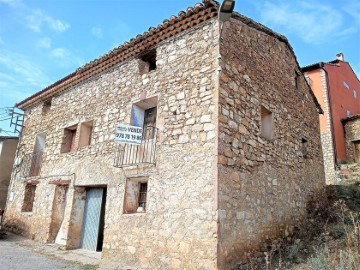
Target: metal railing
<point>135,154</point>
<point>31,164</point>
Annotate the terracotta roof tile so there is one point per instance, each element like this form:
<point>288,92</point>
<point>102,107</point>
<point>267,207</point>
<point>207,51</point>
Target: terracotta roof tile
<point>350,118</point>
<point>141,43</point>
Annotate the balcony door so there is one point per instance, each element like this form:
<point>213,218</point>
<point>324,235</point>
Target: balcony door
<point>37,154</point>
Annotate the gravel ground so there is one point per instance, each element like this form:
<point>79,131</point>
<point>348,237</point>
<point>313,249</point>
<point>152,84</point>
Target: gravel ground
<point>19,253</point>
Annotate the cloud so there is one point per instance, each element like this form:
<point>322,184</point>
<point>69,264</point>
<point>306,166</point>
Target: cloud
<point>37,18</point>
<point>13,95</point>
<point>21,71</point>
<point>44,43</point>
<point>97,32</point>
<point>65,59</point>
<point>352,8</point>
<point>13,3</point>
<point>312,22</point>
<point>60,53</point>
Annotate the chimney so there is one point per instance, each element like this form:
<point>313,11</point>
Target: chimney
<point>340,56</point>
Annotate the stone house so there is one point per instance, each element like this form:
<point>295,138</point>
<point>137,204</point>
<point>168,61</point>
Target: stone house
<point>229,155</point>
<point>337,89</point>
<point>351,170</point>
<point>8,146</point>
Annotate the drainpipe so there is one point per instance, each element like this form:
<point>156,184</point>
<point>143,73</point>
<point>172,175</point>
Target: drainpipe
<point>322,66</point>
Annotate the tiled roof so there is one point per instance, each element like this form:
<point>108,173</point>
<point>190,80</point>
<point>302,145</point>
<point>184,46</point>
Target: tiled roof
<point>170,27</point>
<point>353,117</point>
<point>141,43</point>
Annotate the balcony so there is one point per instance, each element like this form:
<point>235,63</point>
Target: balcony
<point>31,164</point>
<point>137,154</point>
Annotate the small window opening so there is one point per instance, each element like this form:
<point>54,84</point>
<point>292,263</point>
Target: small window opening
<point>85,133</point>
<point>46,107</point>
<point>142,197</point>
<point>304,150</point>
<point>267,123</point>
<point>144,115</point>
<point>355,95</point>
<point>29,198</point>
<point>147,62</point>
<point>136,195</point>
<point>357,151</point>
<point>346,85</point>
<point>69,139</point>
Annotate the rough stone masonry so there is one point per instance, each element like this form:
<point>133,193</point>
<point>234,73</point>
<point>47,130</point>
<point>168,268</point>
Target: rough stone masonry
<point>237,147</point>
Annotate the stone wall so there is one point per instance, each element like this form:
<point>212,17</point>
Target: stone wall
<point>352,134</point>
<point>327,136</point>
<point>178,229</point>
<point>350,172</point>
<point>264,183</point>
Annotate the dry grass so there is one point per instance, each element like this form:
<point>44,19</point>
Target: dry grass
<point>328,240</point>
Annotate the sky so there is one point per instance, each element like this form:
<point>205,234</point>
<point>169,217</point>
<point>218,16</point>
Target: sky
<point>41,41</point>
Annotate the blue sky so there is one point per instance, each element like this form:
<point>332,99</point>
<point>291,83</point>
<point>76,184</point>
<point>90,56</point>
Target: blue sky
<point>42,41</point>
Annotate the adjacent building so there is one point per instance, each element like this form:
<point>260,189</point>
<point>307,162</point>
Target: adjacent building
<point>337,88</point>
<point>229,150</point>
<point>351,170</point>
<point>8,147</point>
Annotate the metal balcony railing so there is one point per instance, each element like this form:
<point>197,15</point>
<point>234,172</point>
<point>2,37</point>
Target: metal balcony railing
<point>136,154</point>
<point>31,164</point>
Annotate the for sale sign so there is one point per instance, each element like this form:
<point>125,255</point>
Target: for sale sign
<point>128,134</point>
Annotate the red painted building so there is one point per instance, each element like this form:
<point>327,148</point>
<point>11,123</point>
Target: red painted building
<point>337,89</point>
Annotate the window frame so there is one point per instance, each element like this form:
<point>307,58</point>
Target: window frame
<point>29,207</point>
<point>133,202</point>
<point>267,123</point>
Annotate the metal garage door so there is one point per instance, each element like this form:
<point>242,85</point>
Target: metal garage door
<point>90,228</point>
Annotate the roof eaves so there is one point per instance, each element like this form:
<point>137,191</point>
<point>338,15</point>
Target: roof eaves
<point>350,118</point>
<point>312,67</point>
<point>2,138</point>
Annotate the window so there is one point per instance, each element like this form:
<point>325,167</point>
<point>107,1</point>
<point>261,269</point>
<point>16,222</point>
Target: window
<point>29,198</point>
<point>143,115</point>
<point>76,137</point>
<point>142,196</point>
<point>355,96</point>
<point>69,138</point>
<point>46,107</point>
<point>357,151</point>
<point>37,155</point>
<point>347,113</point>
<point>267,123</point>
<point>147,62</point>
<point>346,85</point>
<point>304,150</point>
<point>85,133</point>
<point>136,195</point>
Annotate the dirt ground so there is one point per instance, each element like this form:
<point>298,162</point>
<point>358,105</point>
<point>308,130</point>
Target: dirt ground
<point>17,252</point>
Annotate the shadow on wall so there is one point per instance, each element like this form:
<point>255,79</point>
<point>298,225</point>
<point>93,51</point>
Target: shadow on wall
<point>17,226</point>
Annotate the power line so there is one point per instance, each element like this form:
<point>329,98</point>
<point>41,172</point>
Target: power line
<point>4,119</point>
<point>7,132</point>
